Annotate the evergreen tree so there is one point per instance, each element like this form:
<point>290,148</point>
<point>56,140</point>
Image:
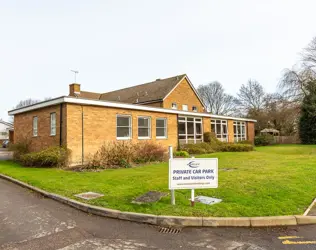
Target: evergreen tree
<point>307,122</point>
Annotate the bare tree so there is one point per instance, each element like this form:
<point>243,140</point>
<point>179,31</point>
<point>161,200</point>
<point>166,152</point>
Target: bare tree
<point>251,96</point>
<point>294,81</point>
<point>26,102</point>
<point>216,100</point>
<point>309,54</point>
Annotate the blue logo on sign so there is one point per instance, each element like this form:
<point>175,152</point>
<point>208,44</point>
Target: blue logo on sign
<point>193,164</point>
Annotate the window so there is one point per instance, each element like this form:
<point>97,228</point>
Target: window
<point>35,126</point>
<point>174,105</point>
<point>194,109</point>
<point>219,127</point>
<point>123,127</point>
<point>190,130</point>
<point>240,131</point>
<point>4,133</point>
<point>53,124</point>
<point>161,128</point>
<point>185,107</point>
<point>144,127</point>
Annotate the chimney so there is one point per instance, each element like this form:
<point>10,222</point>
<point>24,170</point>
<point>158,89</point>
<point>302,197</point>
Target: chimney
<point>74,89</point>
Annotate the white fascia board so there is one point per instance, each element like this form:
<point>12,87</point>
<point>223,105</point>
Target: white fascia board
<point>119,105</point>
<point>37,106</point>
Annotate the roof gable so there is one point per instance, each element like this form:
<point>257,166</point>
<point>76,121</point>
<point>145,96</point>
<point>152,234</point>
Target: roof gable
<point>147,92</point>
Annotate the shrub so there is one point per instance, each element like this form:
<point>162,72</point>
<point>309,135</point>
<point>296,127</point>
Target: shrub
<point>210,138</point>
<point>244,142</point>
<point>20,148</point>
<point>181,154</point>
<point>149,152</point>
<point>264,140</point>
<point>125,153</point>
<point>50,157</point>
<point>234,147</point>
<point>199,148</point>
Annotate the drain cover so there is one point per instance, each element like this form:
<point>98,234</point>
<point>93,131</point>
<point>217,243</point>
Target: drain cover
<point>167,230</point>
<point>89,195</point>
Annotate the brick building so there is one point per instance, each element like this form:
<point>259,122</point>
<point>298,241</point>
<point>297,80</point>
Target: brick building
<point>168,111</point>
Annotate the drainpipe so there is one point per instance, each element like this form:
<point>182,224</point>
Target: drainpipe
<point>82,137</point>
<point>61,125</point>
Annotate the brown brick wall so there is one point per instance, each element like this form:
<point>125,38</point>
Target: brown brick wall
<point>230,124</point>
<point>100,127</point>
<point>23,128</point>
<point>183,94</point>
<point>206,124</point>
<point>251,131</point>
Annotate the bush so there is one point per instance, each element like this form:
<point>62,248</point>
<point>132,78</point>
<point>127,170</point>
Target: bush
<point>20,149</point>
<point>50,157</point>
<point>199,148</point>
<point>244,142</point>
<point>181,154</point>
<point>210,138</point>
<point>234,147</point>
<point>149,152</point>
<point>264,140</point>
<point>125,153</point>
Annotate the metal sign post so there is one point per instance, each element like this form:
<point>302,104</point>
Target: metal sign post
<point>192,198</point>
<point>173,197</point>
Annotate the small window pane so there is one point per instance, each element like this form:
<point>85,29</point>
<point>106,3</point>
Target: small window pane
<point>123,121</point>
<point>213,127</point>
<point>218,129</point>
<point>190,119</point>
<point>160,123</point>
<point>160,132</point>
<point>190,127</point>
<point>143,122</point>
<point>181,128</point>
<point>123,132</point>
<point>143,132</point>
<point>198,128</point>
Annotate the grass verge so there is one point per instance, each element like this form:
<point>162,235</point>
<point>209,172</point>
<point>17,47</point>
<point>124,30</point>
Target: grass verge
<point>274,180</point>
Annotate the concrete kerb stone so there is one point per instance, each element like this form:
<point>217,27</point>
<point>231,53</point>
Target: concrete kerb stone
<point>226,222</point>
<point>174,221</point>
<point>179,221</point>
<point>305,220</point>
<point>138,217</point>
<point>272,221</point>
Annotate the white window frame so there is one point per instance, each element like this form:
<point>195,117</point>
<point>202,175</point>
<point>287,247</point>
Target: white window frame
<point>195,121</point>
<point>130,126</point>
<point>174,105</point>
<point>240,136</point>
<point>165,127</point>
<point>35,126</point>
<point>185,107</point>
<point>220,136</point>
<point>53,122</point>
<point>149,127</point>
<point>194,108</point>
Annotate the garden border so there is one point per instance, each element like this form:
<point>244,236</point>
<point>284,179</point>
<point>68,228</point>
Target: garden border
<point>174,221</point>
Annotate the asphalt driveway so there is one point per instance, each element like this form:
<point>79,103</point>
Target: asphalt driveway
<point>5,154</point>
<point>30,221</point>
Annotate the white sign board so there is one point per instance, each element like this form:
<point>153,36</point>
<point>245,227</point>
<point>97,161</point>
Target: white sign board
<point>186,173</point>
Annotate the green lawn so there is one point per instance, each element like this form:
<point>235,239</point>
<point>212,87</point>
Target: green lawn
<point>276,180</point>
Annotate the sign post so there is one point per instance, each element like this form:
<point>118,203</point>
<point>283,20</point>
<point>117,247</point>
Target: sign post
<point>173,198</point>
<point>186,173</point>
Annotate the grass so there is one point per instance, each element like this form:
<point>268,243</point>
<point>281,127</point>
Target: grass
<point>274,180</point>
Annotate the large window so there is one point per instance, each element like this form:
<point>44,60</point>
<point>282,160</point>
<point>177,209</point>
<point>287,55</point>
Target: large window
<point>161,128</point>
<point>219,127</point>
<point>240,131</point>
<point>35,131</point>
<point>123,127</point>
<point>190,130</point>
<point>144,127</point>
<point>53,124</point>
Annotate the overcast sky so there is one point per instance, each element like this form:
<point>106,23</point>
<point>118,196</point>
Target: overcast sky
<point>116,44</point>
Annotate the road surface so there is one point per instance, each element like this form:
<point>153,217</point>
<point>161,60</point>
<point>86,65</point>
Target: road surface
<point>30,221</point>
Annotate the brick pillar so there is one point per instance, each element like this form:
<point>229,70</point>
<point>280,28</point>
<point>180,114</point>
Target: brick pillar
<point>251,131</point>
<point>230,131</point>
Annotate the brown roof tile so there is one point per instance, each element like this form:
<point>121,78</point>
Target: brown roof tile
<point>147,92</point>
